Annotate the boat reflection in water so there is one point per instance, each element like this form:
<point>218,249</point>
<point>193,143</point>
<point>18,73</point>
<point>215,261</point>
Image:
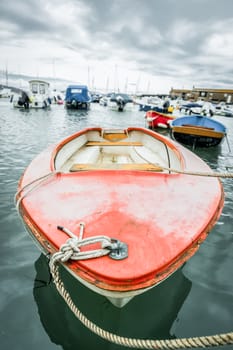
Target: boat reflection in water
<point>149,316</point>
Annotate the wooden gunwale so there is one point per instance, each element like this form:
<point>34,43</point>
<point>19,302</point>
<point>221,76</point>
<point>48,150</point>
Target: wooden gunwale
<point>197,131</point>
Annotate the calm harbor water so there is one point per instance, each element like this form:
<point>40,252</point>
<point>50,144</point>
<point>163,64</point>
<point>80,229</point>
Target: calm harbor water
<point>195,301</point>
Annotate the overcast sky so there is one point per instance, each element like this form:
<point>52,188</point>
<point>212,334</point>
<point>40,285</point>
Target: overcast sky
<point>149,45</point>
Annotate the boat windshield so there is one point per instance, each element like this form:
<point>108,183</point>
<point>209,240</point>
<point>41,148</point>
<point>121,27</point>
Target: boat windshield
<point>34,88</point>
<point>76,91</point>
<point>42,89</point>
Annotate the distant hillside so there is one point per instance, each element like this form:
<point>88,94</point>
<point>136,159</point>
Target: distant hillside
<point>13,88</point>
<point>20,81</point>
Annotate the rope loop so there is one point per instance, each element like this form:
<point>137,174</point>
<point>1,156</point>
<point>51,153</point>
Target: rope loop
<point>70,250</point>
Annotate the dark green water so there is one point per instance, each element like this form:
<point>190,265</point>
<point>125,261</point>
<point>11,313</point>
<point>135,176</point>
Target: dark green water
<point>195,301</point>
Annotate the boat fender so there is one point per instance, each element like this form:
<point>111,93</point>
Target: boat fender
<point>161,125</point>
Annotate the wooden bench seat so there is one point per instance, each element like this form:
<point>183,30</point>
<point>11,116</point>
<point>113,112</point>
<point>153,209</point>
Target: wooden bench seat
<point>112,143</point>
<point>115,166</point>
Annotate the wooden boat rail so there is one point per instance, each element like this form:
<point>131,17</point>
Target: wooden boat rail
<point>197,131</point>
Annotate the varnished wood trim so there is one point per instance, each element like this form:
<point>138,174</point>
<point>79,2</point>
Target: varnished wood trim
<point>116,166</point>
<point>197,131</point>
<point>110,143</point>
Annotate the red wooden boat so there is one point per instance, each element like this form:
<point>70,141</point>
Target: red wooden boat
<point>156,119</point>
<point>132,221</point>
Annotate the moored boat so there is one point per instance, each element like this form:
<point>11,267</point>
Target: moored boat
<point>156,119</point>
<point>37,97</point>
<point>77,97</point>
<point>120,102</point>
<point>110,207</point>
<point>39,94</point>
<point>197,131</point>
<point>148,103</point>
<point>224,109</point>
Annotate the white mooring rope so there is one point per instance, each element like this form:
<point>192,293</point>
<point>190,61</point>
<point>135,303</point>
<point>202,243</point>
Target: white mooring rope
<point>183,343</point>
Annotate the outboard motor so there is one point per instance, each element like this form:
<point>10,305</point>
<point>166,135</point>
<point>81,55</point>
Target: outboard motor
<point>24,100</point>
<point>165,106</point>
<point>121,103</point>
<point>74,104</point>
<point>20,101</point>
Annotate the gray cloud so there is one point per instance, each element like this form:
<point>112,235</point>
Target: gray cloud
<point>185,41</point>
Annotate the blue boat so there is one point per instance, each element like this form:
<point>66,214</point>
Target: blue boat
<point>191,108</point>
<point>77,97</point>
<point>197,131</point>
<point>147,108</point>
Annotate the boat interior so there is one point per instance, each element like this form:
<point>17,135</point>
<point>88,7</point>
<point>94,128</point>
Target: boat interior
<point>117,149</point>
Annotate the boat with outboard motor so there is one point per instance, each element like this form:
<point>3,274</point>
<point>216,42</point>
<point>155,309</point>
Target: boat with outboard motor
<point>36,97</point>
<point>77,97</point>
<point>119,102</point>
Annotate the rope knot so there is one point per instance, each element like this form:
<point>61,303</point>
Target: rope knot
<point>69,249</point>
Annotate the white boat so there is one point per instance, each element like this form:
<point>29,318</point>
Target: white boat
<point>39,94</point>
<point>104,101</point>
<point>147,103</point>
<point>37,97</point>
<point>21,99</point>
<point>223,109</point>
<point>118,102</point>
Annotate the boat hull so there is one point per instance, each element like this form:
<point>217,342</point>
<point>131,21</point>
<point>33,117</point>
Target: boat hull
<point>38,96</point>
<point>75,104</point>
<point>197,131</point>
<point>196,140</point>
<point>140,204</point>
<point>77,97</point>
<point>158,120</point>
